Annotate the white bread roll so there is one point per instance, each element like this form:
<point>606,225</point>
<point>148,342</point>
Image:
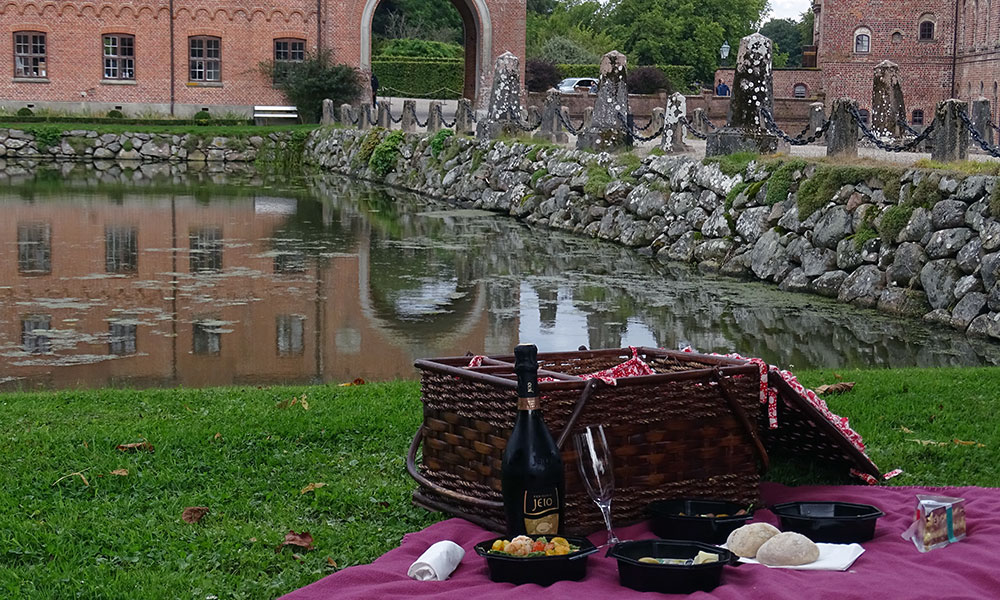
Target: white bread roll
<point>747,539</point>
<point>787,549</point>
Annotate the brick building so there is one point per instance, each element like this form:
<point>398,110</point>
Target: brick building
<point>179,56</point>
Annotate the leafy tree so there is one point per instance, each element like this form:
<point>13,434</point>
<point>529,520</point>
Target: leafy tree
<point>647,80</point>
<point>806,27</point>
<point>542,7</point>
<point>559,49</point>
<point>317,77</point>
<point>540,75</point>
<point>419,48</point>
<point>787,35</point>
<point>580,22</point>
<point>433,20</point>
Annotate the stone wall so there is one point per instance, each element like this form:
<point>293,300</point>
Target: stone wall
<point>46,141</point>
<point>910,242</point>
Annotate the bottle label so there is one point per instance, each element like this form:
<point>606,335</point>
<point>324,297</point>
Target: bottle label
<point>529,403</point>
<point>541,511</point>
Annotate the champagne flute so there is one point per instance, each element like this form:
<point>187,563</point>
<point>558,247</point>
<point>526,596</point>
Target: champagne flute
<point>594,462</point>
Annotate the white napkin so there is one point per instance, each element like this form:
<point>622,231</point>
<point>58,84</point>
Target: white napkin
<point>437,562</point>
<point>832,557</point>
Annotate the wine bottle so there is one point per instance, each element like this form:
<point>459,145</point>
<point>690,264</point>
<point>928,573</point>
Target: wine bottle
<point>532,477</point>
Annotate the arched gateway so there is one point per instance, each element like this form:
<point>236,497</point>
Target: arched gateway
<point>179,56</point>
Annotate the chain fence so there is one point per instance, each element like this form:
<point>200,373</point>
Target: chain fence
<point>976,136</point>
<point>881,145</point>
<point>692,130</point>
<point>568,125</point>
<point>630,129</point>
<point>794,141</point>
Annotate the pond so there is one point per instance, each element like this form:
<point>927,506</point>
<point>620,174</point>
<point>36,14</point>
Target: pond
<point>171,278</point>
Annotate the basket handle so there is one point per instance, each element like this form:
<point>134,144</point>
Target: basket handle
<point>411,468</point>
<point>588,390</point>
<point>742,416</point>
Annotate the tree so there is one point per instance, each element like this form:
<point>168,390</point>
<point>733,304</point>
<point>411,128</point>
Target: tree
<point>787,35</point>
<point>806,27</point>
<point>309,82</point>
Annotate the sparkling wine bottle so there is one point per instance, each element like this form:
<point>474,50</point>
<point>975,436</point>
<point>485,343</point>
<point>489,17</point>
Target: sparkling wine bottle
<point>532,470</point>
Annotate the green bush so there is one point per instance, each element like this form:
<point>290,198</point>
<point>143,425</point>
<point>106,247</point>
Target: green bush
<point>437,142</point>
<point>648,80</point>
<point>202,116</point>
<point>680,76</point>
<point>383,158</point>
<point>115,114</point>
<point>420,78</point>
<point>540,75</point>
<point>45,136</point>
<point>419,49</point>
<point>314,79</point>
<point>25,112</point>
<point>561,49</point>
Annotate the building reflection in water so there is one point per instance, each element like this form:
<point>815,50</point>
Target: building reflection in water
<point>180,282</point>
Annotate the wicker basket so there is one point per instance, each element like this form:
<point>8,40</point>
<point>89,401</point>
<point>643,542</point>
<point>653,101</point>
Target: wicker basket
<point>690,430</point>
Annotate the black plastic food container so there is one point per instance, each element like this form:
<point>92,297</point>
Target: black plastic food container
<point>668,523</point>
<point>833,522</point>
<point>543,570</point>
<point>669,579</point>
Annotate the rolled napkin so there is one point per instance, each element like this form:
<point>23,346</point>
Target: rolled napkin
<point>437,562</point>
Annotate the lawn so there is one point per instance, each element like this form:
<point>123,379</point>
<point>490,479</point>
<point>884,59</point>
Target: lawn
<point>69,527</point>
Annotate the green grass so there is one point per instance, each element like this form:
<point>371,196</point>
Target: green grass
<point>732,164</point>
<point>122,537</point>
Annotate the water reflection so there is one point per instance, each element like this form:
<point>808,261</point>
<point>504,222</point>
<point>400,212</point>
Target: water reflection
<point>169,278</point>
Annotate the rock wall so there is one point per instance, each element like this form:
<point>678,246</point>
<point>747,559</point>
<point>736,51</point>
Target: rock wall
<point>911,242</point>
<point>49,142</point>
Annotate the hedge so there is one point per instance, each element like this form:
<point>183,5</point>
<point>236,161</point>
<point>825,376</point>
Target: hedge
<point>680,76</point>
<point>109,121</point>
<point>419,78</point>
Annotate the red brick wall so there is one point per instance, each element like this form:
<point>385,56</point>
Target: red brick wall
<point>784,81</point>
<point>247,29</point>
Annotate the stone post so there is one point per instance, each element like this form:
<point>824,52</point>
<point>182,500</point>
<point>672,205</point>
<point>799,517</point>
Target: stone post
<point>464,124</point>
<point>672,140</point>
<point>698,121</point>
<point>817,116</point>
<point>347,115</point>
<point>329,115</point>
<point>409,122</point>
<point>505,100</point>
<point>888,107</point>
<point>433,116</point>
<point>551,129</point>
<point>842,136</point>
<point>588,118</point>
<point>365,116</point>
<point>384,117</point>
<point>981,116</point>
<point>365,82</point>
<point>951,135</point>
<point>752,91</point>
<point>607,130</point>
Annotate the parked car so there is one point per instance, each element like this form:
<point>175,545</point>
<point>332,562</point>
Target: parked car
<point>577,85</point>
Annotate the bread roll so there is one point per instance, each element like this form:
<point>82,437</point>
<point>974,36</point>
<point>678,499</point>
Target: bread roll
<point>787,549</point>
<point>747,539</point>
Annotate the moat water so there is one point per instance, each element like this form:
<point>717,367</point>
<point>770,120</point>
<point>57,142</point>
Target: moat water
<point>157,278</point>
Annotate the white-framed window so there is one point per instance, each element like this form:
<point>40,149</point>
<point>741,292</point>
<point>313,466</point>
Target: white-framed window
<point>30,54</point>
<point>862,41</point>
<point>287,52</point>
<point>119,56</point>
<point>205,62</point>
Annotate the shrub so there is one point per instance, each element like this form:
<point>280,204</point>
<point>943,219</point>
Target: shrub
<point>45,136</point>
<point>314,79</point>
<point>647,80</point>
<point>25,112</point>
<point>383,158</point>
<point>540,75</point>
<point>437,142</point>
<point>421,78</point>
<point>202,115</point>
<point>560,49</point>
<point>420,49</point>
<point>115,114</point>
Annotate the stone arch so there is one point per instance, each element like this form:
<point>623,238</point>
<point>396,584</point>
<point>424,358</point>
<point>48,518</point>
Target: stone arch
<point>478,41</point>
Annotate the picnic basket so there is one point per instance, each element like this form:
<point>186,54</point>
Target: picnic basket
<point>688,430</point>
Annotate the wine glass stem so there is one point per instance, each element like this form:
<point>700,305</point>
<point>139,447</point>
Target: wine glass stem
<point>606,512</point>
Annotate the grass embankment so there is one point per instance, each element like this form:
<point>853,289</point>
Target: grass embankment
<point>245,131</point>
<point>238,453</point>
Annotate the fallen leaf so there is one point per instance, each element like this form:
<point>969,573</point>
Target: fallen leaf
<point>194,514</point>
<point>837,388</point>
<point>122,472</point>
<point>86,445</point>
<point>297,557</point>
<point>300,540</point>
<point>135,447</point>
<point>965,443</point>
<point>331,562</point>
<point>288,403</point>
<point>218,436</point>
<point>928,442</point>
<point>77,474</point>
<point>311,487</point>
<point>357,381</point>
<point>253,539</point>
<point>905,429</point>
<point>838,376</point>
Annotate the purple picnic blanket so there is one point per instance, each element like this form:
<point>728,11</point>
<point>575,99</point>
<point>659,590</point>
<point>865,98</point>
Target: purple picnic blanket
<point>891,567</point>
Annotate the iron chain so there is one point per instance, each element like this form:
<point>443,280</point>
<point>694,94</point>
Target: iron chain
<point>795,141</point>
<point>440,113</point>
<point>647,126</point>
<point>632,132</point>
<point>569,126</point>
<point>976,136</point>
<point>692,130</point>
<point>524,127</point>
<point>902,123</point>
<point>905,147</point>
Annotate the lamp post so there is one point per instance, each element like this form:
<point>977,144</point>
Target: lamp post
<point>724,52</point>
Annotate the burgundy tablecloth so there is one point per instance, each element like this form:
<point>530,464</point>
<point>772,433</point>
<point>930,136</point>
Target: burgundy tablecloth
<point>891,568</point>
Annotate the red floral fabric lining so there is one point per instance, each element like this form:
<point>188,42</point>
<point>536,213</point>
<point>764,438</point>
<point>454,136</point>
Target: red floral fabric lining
<point>632,367</point>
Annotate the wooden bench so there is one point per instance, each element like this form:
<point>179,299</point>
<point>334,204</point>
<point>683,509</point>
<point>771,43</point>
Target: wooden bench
<point>267,115</point>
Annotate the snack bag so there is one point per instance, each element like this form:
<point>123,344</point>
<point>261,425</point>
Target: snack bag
<point>938,521</point>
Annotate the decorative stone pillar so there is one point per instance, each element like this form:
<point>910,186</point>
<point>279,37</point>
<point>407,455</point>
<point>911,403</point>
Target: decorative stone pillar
<point>329,114</point>
<point>842,136</point>
<point>817,116</point>
<point>365,116</point>
<point>365,86</point>
<point>464,121</point>
<point>752,91</point>
<point>981,116</point>
<point>607,130</point>
<point>551,129</point>
<point>588,118</point>
<point>384,117</point>
<point>347,115</point>
<point>433,116</point>
<point>409,122</point>
<point>951,135</point>
<point>699,121</point>
<point>505,100</point>
<point>888,107</point>
<point>672,140</point>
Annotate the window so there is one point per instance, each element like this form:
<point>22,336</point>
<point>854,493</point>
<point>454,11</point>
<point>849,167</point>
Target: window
<point>862,43</point>
<point>287,52</point>
<point>918,117</point>
<point>897,37</point>
<point>289,334</point>
<point>206,249</point>
<point>121,340</point>
<point>29,54</point>
<point>864,115</point>
<point>40,342</point>
<point>800,90</point>
<point>206,59</point>
<point>121,249</point>
<point>926,30</point>
<point>119,56</point>
<point>207,338</point>
<point>34,248</point>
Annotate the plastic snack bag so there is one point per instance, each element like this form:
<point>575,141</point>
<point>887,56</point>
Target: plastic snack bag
<point>937,522</point>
